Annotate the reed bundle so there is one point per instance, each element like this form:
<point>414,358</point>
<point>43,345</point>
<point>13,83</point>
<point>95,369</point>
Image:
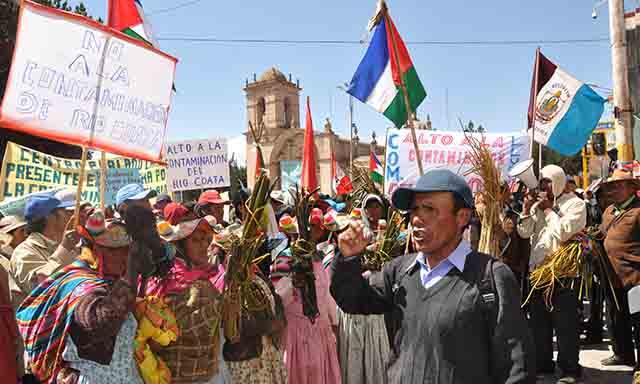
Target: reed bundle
<point>241,295</point>
<point>493,195</point>
<point>571,263</point>
<point>388,244</point>
<point>362,186</point>
<point>302,255</point>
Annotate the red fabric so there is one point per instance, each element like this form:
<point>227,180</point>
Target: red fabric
<point>180,278</point>
<point>8,334</point>
<point>316,217</point>
<point>259,164</point>
<point>344,186</point>
<point>123,14</point>
<point>543,69</point>
<point>403,54</point>
<point>174,212</point>
<point>309,177</point>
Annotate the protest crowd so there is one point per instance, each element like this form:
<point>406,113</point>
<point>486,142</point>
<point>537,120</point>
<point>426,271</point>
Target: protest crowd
<point>137,294</point>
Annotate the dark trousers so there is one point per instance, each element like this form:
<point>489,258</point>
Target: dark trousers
<point>563,317</point>
<point>594,326</point>
<point>623,334</point>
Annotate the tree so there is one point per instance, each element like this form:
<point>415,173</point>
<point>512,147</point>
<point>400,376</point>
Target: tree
<point>470,127</point>
<point>80,8</point>
<point>572,165</point>
<point>238,176</point>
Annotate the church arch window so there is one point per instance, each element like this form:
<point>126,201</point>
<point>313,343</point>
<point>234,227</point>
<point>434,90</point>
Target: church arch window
<point>287,113</point>
<point>261,108</point>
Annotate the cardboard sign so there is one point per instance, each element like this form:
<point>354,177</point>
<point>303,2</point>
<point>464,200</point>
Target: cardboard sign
<point>76,81</point>
<point>439,149</point>
<point>26,171</point>
<point>197,164</point>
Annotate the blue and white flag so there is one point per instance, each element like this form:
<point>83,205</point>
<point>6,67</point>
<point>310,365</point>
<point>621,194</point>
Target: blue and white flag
<point>562,110</point>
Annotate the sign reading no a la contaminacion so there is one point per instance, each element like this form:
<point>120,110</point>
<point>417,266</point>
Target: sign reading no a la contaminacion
<point>197,164</point>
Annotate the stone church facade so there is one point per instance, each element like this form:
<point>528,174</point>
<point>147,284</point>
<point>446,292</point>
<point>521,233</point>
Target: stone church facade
<point>273,101</point>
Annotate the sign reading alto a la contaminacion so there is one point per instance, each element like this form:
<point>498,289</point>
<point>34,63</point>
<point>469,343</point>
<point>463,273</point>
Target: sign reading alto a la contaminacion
<point>77,81</point>
<point>197,164</point>
<point>450,150</point>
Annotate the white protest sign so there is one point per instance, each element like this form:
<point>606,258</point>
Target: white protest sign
<point>440,149</point>
<point>76,81</point>
<point>197,164</point>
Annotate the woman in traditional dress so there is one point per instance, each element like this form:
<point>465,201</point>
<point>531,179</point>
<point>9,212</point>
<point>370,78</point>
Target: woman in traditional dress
<point>255,356</point>
<point>188,289</point>
<point>363,341</point>
<point>78,325</point>
<point>310,351</point>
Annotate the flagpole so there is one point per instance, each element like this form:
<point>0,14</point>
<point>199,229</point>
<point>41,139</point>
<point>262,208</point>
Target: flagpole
<point>536,72</point>
<point>407,102</point>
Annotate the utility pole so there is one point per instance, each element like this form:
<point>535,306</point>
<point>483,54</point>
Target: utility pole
<point>623,112</point>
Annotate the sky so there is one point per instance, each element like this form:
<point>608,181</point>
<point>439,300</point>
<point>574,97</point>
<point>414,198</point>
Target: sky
<point>488,84</point>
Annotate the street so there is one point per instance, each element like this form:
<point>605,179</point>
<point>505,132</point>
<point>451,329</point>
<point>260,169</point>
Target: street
<point>594,372</point>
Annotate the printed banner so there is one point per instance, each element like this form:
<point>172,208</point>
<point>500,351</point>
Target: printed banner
<point>449,150</point>
<point>291,173</point>
<point>79,82</point>
<point>197,164</point>
<point>26,171</point>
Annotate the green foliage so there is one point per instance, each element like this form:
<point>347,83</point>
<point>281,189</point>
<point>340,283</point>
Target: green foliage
<point>79,8</point>
<point>238,176</point>
<point>471,128</point>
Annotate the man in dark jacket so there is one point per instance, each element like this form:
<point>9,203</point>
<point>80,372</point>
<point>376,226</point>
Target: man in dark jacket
<point>621,225</point>
<point>457,311</point>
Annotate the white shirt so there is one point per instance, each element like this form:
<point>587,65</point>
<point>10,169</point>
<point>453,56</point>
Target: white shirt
<point>430,276</point>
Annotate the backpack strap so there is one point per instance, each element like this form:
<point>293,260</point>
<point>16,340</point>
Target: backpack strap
<point>489,295</point>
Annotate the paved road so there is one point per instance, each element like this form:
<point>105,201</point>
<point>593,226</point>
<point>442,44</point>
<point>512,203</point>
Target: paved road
<point>594,372</point>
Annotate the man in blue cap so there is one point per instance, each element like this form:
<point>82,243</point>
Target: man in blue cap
<point>49,245</point>
<point>455,312</point>
<point>133,194</point>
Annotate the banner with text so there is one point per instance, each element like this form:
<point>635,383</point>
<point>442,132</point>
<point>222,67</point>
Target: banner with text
<point>25,171</point>
<point>77,81</point>
<point>197,164</point>
<point>439,149</point>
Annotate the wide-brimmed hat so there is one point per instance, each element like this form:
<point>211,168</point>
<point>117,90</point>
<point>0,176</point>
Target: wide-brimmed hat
<point>172,233</point>
<point>211,197</point>
<point>9,224</point>
<point>336,222</point>
<point>288,224</point>
<point>621,175</point>
<point>105,233</point>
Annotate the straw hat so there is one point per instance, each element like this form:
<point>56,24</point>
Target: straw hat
<point>105,233</point>
<point>9,224</point>
<point>288,225</point>
<point>621,175</point>
<point>336,222</point>
<point>172,233</point>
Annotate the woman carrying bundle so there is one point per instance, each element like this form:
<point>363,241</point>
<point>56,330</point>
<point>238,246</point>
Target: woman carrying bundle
<point>188,290</point>
<point>78,325</point>
<point>310,352</point>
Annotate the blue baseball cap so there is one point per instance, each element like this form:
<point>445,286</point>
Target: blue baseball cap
<point>133,192</point>
<point>436,180</point>
<point>41,206</point>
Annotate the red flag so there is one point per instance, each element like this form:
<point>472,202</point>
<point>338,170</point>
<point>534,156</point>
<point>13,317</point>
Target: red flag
<point>344,186</point>
<point>259,162</point>
<point>309,177</point>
